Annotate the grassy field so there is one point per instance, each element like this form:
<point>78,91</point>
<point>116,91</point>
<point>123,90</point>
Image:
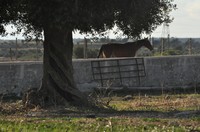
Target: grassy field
<point>179,113</point>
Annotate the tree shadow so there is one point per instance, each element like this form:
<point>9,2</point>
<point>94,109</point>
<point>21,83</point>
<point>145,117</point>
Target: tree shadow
<point>80,112</point>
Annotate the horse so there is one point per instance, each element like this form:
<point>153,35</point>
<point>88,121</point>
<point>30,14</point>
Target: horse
<point>123,50</point>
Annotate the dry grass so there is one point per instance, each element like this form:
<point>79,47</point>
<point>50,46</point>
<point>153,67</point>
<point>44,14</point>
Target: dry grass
<point>162,103</point>
<point>159,103</point>
<point>12,107</point>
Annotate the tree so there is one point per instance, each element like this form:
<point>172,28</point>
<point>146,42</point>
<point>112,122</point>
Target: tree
<point>59,18</point>
<point>8,13</point>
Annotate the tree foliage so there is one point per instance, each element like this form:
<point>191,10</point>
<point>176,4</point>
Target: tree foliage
<point>133,17</point>
<point>8,13</point>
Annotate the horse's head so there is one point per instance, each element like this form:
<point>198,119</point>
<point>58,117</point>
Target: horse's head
<point>147,43</point>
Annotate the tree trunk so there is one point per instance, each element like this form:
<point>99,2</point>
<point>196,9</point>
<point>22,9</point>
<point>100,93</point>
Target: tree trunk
<point>58,84</point>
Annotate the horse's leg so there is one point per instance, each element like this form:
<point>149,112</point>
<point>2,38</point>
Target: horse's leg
<point>103,54</point>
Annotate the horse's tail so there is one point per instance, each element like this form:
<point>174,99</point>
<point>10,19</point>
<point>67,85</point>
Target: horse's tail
<point>100,51</point>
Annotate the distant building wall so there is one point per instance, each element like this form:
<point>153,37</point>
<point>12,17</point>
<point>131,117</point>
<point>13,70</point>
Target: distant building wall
<point>161,73</point>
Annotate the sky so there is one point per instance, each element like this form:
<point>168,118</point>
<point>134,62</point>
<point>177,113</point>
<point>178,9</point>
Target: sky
<point>186,23</point>
<point>186,20</point>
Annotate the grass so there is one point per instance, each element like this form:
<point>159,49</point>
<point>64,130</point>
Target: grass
<point>99,124</point>
<point>159,103</point>
<point>118,124</point>
<point>13,117</point>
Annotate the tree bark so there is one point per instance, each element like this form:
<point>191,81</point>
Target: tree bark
<point>58,84</point>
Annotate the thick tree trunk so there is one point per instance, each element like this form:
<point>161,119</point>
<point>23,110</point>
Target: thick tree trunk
<point>58,84</point>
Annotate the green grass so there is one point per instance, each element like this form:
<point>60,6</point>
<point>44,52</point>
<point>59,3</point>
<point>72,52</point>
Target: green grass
<point>114,124</point>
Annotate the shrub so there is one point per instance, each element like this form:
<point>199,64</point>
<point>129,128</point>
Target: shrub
<point>79,52</point>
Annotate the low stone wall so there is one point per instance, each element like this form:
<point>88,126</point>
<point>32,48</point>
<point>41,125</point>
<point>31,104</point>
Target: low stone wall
<point>16,77</point>
<point>172,72</point>
<point>161,73</point>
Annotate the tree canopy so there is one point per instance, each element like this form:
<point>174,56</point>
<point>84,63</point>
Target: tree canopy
<point>133,17</point>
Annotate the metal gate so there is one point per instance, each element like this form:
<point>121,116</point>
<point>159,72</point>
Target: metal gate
<point>119,72</point>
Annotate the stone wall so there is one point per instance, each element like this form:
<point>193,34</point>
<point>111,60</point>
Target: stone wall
<point>161,73</point>
<point>16,77</point>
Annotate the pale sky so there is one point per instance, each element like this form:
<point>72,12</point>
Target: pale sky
<point>186,22</point>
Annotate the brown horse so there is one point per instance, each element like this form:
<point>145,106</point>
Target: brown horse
<point>123,50</point>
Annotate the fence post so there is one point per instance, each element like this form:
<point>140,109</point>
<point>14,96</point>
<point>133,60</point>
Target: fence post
<point>37,56</point>
<point>190,46</point>
<point>168,42</point>
<point>16,49</point>
<point>162,46</point>
<point>85,48</point>
<point>10,54</point>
